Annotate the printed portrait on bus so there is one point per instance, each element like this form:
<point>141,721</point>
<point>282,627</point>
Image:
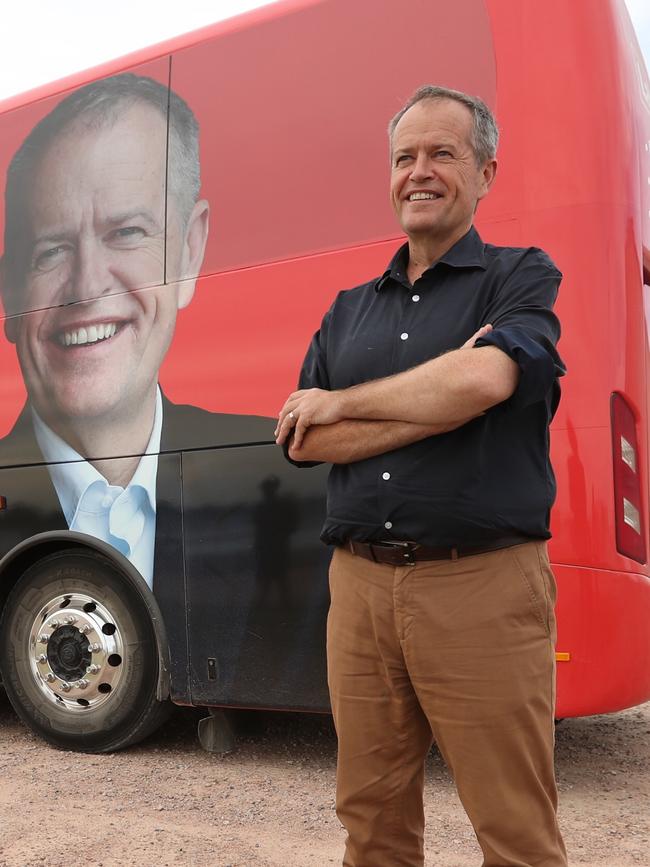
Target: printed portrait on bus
<point>103,225</point>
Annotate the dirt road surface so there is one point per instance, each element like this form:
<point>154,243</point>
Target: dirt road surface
<point>271,803</point>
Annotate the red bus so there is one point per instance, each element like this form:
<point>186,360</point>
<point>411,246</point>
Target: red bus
<point>174,226</point>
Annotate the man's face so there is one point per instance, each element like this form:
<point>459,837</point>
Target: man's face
<point>97,337</point>
<point>435,181</point>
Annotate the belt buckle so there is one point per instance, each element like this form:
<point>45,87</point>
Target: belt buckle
<point>408,551</point>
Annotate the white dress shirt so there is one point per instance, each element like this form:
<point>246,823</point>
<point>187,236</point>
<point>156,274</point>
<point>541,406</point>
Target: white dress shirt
<point>123,517</point>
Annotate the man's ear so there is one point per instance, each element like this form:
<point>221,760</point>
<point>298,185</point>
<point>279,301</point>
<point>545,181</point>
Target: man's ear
<point>488,173</point>
<point>11,322</point>
<point>196,236</point>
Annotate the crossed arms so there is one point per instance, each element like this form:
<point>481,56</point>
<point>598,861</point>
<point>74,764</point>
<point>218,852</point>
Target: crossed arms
<point>365,420</point>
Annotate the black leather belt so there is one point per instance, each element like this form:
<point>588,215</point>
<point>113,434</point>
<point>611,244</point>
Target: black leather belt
<point>410,553</point>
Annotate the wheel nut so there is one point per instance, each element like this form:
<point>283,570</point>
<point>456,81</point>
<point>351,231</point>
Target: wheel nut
<point>49,677</point>
<point>92,669</point>
<point>54,624</point>
<point>81,684</point>
<point>41,658</point>
<point>93,648</point>
<point>84,628</point>
<point>43,639</point>
<point>70,620</point>
<point>65,686</point>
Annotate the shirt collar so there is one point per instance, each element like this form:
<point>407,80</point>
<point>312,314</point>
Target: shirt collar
<point>467,252</point>
<point>72,475</point>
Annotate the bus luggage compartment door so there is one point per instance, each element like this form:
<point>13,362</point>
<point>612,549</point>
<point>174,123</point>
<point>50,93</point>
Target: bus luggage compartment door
<point>257,590</point>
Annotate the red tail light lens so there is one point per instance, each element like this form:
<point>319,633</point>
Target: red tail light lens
<point>630,527</point>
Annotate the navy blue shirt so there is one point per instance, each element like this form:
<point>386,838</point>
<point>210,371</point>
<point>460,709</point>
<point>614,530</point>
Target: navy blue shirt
<point>492,476</point>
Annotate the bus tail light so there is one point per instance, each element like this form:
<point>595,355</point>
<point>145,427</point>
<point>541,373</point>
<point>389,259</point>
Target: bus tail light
<point>630,530</point>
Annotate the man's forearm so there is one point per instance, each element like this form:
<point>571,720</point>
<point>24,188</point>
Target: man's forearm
<point>457,385</point>
<point>443,393</point>
<point>356,439</point>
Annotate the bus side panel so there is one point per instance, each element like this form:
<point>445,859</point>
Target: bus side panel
<point>293,115</point>
<point>582,520</point>
<point>257,587</point>
<point>238,347</point>
<point>603,621</point>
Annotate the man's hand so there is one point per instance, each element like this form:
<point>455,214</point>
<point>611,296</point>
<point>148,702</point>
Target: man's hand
<point>483,330</point>
<point>305,408</point>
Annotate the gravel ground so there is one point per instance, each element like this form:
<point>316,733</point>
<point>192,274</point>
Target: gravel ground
<point>270,803</point>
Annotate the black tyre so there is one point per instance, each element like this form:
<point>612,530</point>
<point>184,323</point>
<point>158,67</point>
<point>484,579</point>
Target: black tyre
<point>78,654</point>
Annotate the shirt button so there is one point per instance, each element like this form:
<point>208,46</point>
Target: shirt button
<point>385,476</point>
<point>404,335</point>
<point>415,298</point>
<point>388,525</point>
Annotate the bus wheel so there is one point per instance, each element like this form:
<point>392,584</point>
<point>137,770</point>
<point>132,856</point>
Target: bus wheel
<point>78,654</point>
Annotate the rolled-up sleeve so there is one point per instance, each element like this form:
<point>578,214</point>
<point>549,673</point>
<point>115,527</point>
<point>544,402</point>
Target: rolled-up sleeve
<point>527,330</point>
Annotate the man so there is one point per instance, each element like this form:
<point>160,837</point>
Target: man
<point>441,622</point>
<point>105,235</point>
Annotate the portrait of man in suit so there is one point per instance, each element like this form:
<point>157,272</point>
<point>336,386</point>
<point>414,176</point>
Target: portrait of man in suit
<point>104,236</point>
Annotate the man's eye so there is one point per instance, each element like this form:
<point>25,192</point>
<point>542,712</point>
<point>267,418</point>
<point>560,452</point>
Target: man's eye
<point>403,158</point>
<point>127,234</point>
<point>443,153</point>
<point>48,259</point>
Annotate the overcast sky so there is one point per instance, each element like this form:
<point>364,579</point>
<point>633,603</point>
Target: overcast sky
<point>640,14</point>
<point>43,40</point>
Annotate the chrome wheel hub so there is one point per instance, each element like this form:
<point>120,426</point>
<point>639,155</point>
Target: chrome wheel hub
<point>76,652</point>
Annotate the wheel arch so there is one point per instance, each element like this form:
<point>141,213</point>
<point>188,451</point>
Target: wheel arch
<point>29,551</point>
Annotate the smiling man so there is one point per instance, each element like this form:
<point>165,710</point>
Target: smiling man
<point>105,234</point>
<point>431,389</point>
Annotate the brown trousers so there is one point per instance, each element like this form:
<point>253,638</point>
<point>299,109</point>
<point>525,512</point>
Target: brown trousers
<point>457,650</point>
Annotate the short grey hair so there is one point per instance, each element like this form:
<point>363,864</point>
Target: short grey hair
<point>99,104</point>
<point>485,132</point>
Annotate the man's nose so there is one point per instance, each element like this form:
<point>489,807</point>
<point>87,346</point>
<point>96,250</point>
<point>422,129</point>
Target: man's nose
<point>421,168</point>
<point>91,277</point>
